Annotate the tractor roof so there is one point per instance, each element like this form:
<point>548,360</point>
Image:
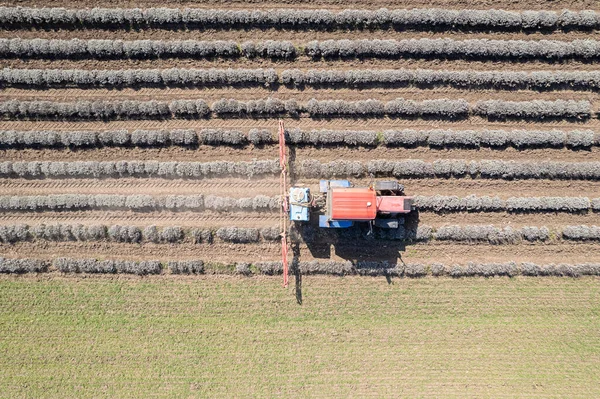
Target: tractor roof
<point>353,204</point>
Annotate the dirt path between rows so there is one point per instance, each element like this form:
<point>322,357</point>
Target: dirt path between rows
<point>297,36</point>
<point>322,154</point>
<point>304,63</point>
<point>223,253</point>
<point>301,96</point>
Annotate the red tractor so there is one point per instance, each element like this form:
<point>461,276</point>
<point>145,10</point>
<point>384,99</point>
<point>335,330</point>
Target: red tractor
<point>381,204</point>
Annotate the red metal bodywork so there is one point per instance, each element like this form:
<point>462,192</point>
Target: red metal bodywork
<point>352,204</point>
<point>363,204</point>
<point>390,204</point>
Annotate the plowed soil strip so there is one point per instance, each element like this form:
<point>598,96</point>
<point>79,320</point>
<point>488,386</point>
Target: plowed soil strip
<point>302,63</point>
<point>283,93</point>
<point>327,154</point>
<point>337,123</point>
<point>182,219</point>
<point>106,250</point>
<point>220,252</point>
<point>258,220</point>
<point>239,188</point>
<point>296,36</point>
<point>501,188</point>
<point>235,188</point>
<point>174,153</point>
<point>550,220</point>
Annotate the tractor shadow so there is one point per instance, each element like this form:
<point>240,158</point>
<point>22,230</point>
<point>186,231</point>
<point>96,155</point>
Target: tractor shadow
<point>358,243</point>
<point>365,248</point>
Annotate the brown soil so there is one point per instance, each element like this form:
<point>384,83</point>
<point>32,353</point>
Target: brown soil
<point>301,63</point>
<point>297,36</point>
<point>283,93</point>
<point>559,252</point>
<point>556,251</point>
<point>323,154</point>
<point>305,123</point>
<point>159,218</point>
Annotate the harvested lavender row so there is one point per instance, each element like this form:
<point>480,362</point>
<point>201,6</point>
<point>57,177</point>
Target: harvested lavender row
<point>491,234</point>
<point>67,265</point>
<point>24,265</point>
<point>175,234</point>
<point>545,50</point>
<point>581,233</point>
<point>362,268</point>
<point>457,168</point>
<point>471,269</point>
<point>261,203</point>
<point>422,19</point>
<point>490,138</point>
<point>440,108</point>
<point>536,109</point>
<point>133,109</point>
<point>501,80</point>
<point>133,234</point>
<point>137,77</point>
<point>144,49</point>
<point>116,169</point>
<point>126,138</point>
<point>437,138</point>
<point>410,168</point>
<point>137,202</point>
<point>472,203</point>
<point>230,108</point>
<point>272,107</point>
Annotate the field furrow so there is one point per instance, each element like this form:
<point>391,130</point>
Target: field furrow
<point>487,117</point>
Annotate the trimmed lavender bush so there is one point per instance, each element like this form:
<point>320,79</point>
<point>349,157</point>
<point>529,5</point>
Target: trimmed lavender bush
<point>299,19</point>
<point>204,236</point>
<point>581,233</point>
<point>499,80</point>
<point>186,267</point>
<point>243,268</point>
<point>172,234</point>
<point>545,50</point>
<point>260,136</point>
<point>537,109</point>
<point>127,234</point>
<point>238,234</point>
<point>19,266</point>
<point>112,169</point>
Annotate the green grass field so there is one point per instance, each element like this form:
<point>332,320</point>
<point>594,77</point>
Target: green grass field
<point>216,336</point>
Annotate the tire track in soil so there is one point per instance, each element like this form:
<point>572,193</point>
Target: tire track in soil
<point>304,62</point>
<point>480,187</point>
<point>501,219</point>
<point>263,219</point>
<point>448,253</point>
<point>283,93</point>
<point>305,122</point>
<point>236,188</point>
<point>298,37</point>
<point>428,253</point>
<point>167,218</point>
<point>173,153</point>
